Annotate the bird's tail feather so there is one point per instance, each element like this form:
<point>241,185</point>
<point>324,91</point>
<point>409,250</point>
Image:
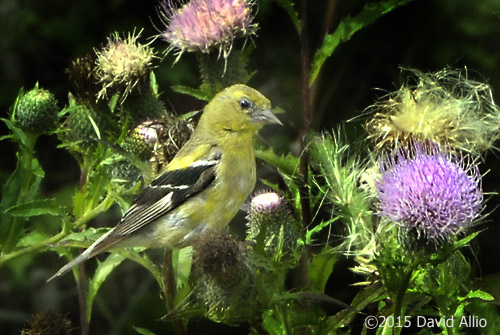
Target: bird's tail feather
<point>102,244</point>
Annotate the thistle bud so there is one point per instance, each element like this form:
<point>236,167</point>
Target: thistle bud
<point>125,176</point>
<point>36,111</point>
<point>142,106</point>
<point>81,72</point>
<point>48,323</point>
<point>445,278</point>
<point>85,124</point>
<point>227,279</point>
<point>273,228</point>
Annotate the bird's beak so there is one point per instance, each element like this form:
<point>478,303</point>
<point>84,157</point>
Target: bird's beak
<point>265,116</point>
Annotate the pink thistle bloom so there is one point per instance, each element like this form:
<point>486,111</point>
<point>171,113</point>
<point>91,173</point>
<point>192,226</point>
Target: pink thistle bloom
<point>425,190</point>
<point>202,25</point>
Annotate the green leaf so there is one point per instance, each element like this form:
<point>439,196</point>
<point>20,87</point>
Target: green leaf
<point>153,83</point>
<point>287,165</point>
<point>102,272</point>
<point>478,294</point>
<point>194,92</point>
<point>321,268</point>
<point>10,194</point>
<point>35,208</point>
<point>288,6</point>
<point>347,28</point>
<point>318,228</point>
<point>32,238</point>
<point>143,331</point>
<point>18,134</point>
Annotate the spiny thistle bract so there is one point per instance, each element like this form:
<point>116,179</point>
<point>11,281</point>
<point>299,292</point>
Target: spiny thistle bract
<point>158,140</point>
<point>86,123</point>
<point>204,25</point>
<point>36,111</point>
<point>227,281</point>
<point>122,64</point>
<point>425,189</point>
<point>272,227</point>
<point>445,107</point>
<point>48,323</point>
<point>142,106</point>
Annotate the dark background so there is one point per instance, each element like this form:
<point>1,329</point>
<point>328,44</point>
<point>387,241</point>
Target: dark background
<point>38,39</point>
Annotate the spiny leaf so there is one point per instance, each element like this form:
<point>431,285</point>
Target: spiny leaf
<point>194,92</point>
<point>348,27</point>
<point>35,208</point>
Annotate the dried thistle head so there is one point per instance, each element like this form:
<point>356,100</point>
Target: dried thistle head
<point>444,107</point>
<point>204,25</point>
<point>81,72</point>
<point>122,64</point>
<point>45,323</point>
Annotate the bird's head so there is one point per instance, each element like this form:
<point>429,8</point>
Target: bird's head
<point>238,109</point>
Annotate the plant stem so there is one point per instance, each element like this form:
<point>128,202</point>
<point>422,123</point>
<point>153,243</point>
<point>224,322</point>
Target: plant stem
<point>171,291</point>
<point>31,249</point>
<point>398,307</point>
<point>302,278</point>
<point>81,286</point>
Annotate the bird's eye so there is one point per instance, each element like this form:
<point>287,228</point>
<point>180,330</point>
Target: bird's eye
<point>245,103</point>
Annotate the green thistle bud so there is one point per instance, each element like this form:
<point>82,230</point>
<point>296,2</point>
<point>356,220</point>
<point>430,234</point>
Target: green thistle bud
<point>48,323</point>
<point>272,227</point>
<point>36,111</point>
<point>446,278</point>
<point>125,177</point>
<point>227,279</point>
<point>85,124</point>
<point>144,139</point>
<point>158,140</point>
<point>142,106</point>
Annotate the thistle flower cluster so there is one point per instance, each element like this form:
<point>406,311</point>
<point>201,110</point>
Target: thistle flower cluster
<point>204,25</point>
<point>122,64</point>
<point>445,107</point>
<point>426,190</point>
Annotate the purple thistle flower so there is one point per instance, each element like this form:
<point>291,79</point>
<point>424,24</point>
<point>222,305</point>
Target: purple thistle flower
<point>201,25</point>
<point>425,190</point>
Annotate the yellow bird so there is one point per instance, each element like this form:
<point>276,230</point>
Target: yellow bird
<point>204,185</point>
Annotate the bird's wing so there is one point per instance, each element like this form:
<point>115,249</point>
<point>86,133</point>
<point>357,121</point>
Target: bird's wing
<point>164,194</point>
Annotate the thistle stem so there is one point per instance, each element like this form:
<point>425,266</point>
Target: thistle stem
<point>81,287</point>
<point>171,291</point>
<point>302,278</point>
<point>398,307</point>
